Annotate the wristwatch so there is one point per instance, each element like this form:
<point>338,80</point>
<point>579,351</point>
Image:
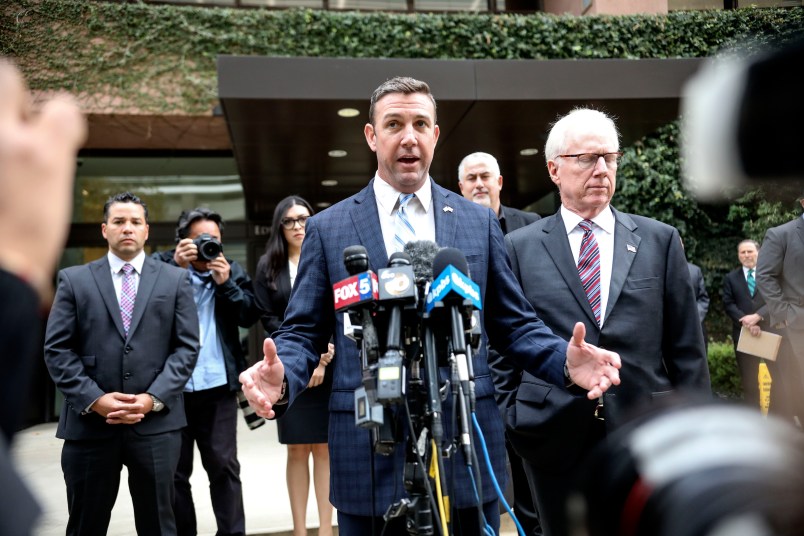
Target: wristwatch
<point>158,404</point>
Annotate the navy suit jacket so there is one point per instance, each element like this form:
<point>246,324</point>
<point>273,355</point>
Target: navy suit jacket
<point>651,315</point>
<point>89,354</point>
<point>309,322</point>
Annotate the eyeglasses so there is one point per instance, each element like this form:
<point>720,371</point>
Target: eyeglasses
<point>588,160</point>
<point>290,223</point>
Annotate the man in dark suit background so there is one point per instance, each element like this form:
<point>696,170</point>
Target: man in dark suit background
<point>746,308</point>
<point>37,165</point>
<point>780,280</point>
<point>403,131</point>
<point>224,297</point>
<point>120,344</point>
<point>638,302</point>
<point>480,181</point>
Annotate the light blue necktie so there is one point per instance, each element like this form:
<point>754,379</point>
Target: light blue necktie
<point>403,230</point>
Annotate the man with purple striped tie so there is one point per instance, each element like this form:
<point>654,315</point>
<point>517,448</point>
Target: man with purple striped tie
<point>121,342</point>
<point>624,276</point>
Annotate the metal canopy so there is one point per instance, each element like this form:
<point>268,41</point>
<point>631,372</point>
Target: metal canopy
<point>282,116</point>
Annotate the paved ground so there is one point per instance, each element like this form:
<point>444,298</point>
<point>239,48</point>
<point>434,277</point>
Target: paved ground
<point>37,453</point>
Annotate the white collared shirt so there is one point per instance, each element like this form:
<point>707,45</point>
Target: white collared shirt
<point>419,211</point>
<point>745,273</point>
<point>604,234</point>
<point>116,264</point>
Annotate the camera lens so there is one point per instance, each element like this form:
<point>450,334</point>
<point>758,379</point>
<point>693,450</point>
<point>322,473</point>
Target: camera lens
<point>209,250</point>
<point>208,247</point>
<point>253,420</point>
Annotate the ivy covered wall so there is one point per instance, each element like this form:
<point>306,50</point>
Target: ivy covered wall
<point>121,57</point>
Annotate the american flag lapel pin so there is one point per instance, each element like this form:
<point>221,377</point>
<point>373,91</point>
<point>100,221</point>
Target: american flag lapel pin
<point>631,248</point>
<point>447,209</point>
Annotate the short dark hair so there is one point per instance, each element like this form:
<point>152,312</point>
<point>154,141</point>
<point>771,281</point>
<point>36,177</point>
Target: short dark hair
<point>189,217</point>
<point>125,197</point>
<point>400,84</point>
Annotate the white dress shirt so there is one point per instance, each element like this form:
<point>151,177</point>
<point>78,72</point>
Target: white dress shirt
<point>603,230</point>
<point>419,211</point>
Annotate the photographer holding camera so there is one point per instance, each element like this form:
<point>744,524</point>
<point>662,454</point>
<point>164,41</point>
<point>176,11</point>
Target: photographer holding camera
<point>224,297</point>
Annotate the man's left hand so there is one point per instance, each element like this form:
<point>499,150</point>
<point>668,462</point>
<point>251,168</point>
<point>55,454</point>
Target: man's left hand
<point>591,367</point>
<point>220,268</point>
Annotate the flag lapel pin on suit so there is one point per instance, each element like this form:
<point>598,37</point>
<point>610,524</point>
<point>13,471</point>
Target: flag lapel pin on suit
<point>631,248</point>
<point>447,209</point>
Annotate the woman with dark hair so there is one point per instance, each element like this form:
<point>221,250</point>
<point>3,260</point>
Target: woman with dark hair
<point>304,426</point>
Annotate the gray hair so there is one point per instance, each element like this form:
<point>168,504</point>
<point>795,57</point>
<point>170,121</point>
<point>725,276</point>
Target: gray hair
<point>486,158</point>
<point>579,120</point>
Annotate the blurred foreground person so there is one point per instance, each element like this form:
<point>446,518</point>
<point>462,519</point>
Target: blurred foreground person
<point>695,470</point>
<point>37,165</point>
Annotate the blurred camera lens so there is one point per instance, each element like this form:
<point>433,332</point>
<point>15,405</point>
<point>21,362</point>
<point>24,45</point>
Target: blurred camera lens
<point>252,419</point>
<point>208,247</point>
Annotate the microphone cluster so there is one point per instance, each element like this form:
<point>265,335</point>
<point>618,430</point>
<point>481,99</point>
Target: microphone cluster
<point>422,307</point>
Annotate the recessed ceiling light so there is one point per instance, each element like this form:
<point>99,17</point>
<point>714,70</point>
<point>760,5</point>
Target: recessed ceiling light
<point>348,112</point>
<point>337,153</point>
<point>323,204</point>
<point>329,182</point>
<point>530,151</point>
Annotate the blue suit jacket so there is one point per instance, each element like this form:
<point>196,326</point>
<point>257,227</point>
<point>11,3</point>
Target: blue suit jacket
<point>509,322</point>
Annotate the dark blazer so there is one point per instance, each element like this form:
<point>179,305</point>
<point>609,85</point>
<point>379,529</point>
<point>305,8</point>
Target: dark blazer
<point>88,353</point>
<point>309,322</point>
<point>235,307</point>
<point>737,302</point>
<point>780,277</point>
<point>271,301</point>
<point>20,337</point>
<point>651,316</point>
<point>514,218</point>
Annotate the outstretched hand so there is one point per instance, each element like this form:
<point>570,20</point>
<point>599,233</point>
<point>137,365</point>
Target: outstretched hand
<point>262,382</point>
<point>590,367</point>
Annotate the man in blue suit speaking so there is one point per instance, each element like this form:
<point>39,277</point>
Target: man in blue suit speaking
<point>403,132</point>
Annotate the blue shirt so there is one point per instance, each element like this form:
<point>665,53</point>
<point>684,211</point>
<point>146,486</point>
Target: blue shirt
<point>210,370</point>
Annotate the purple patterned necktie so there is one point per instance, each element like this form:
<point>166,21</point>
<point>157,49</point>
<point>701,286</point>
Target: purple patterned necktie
<point>128,293</point>
<point>589,267</point>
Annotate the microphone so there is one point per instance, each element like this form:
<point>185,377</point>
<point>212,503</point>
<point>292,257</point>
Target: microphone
<point>356,296</point>
<point>397,291</point>
<point>453,290</point>
<point>360,288</point>
<point>422,253</point>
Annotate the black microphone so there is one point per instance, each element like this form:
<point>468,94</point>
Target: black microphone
<point>397,290</point>
<point>422,253</point>
<point>357,295</point>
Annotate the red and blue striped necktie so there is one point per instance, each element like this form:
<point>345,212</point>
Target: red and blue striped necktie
<point>589,267</point>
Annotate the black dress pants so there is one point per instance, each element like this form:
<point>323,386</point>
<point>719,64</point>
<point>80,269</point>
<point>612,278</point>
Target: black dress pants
<point>92,474</point>
<point>212,425</point>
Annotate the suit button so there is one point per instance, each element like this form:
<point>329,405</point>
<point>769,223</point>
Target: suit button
<point>128,349</point>
<point>127,376</point>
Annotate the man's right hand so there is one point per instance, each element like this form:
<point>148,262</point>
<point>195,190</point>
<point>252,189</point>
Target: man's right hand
<point>186,252</point>
<point>119,408</point>
<point>262,382</point>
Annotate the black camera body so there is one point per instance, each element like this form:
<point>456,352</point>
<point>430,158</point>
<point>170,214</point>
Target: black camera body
<point>208,247</point>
